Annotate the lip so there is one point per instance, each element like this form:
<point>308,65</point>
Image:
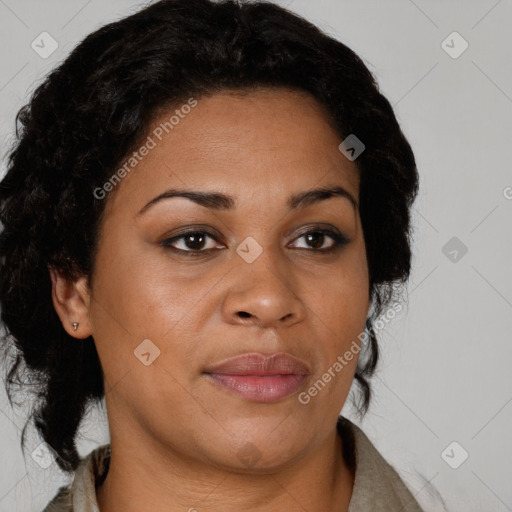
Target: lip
<point>258,377</point>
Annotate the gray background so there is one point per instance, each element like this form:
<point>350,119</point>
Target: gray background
<point>444,375</point>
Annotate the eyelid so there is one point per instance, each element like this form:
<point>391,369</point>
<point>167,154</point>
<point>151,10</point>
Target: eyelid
<point>332,232</point>
<point>166,243</point>
<point>339,239</point>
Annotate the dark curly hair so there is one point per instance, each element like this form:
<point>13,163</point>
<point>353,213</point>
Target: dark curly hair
<point>92,111</point>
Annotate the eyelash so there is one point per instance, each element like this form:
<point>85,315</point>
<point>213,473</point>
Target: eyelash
<point>339,241</point>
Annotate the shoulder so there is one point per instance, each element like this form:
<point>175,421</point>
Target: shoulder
<point>80,494</point>
<point>377,485</point>
<point>61,501</point>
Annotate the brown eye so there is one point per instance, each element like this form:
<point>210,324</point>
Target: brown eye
<point>192,242</point>
<point>316,239</point>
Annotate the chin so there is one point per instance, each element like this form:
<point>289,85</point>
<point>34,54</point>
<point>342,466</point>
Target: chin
<point>261,448</point>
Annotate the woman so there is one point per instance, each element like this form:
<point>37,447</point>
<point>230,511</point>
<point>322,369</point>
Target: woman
<point>206,209</point>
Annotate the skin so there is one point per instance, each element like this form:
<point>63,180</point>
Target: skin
<point>175,435</point>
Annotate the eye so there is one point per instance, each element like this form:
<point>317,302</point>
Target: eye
<point>317,238</point>
<point>192,242</point>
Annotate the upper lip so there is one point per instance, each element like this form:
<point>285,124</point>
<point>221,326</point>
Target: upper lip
<point>260,364</point>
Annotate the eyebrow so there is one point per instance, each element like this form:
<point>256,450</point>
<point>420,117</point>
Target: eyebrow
<point>219,201</point>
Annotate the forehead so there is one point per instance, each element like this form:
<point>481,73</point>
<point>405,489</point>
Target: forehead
<point>273,141</point>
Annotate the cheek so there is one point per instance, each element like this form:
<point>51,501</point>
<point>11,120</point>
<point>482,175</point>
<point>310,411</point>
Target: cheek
<point>338,307</point>
<point>141,295</point>
<point>143,289</point>
<point>139,301</point>
<point>338,316</point>
<point>340,298</point>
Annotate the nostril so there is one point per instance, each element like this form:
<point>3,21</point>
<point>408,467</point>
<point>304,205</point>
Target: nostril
<point>244,314</point>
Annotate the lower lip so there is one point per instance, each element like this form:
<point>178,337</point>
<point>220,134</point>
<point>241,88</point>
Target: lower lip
<point>260,388</point>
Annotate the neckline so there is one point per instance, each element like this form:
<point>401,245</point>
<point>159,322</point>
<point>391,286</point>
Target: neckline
<point>100,458</point>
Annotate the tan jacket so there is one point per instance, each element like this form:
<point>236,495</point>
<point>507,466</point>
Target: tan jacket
<point>377,486</point>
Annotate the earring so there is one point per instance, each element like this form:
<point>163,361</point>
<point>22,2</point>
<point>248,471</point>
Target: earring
<point>75,325</point>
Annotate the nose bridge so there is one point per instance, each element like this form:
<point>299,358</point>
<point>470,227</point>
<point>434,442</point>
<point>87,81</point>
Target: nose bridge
<point>262,285</point>
<point>265,264</point>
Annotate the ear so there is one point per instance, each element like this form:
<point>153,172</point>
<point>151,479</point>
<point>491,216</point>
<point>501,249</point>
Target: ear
<point>71,301</point>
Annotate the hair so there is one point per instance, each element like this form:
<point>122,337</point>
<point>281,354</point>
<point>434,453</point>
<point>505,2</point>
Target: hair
<point>92,110</point>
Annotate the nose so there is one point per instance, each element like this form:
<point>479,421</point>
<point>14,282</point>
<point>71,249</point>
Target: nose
<point>263,293</point>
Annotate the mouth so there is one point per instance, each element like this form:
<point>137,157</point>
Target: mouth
<point>259,378</point>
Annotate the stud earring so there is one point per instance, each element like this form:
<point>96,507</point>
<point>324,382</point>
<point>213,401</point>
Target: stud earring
<point>75,325</point>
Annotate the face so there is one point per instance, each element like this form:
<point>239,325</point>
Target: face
<point>182,285</point>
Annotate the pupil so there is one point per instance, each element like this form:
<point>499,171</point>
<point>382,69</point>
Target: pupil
<point>317,237</point>
<point>197,240</point>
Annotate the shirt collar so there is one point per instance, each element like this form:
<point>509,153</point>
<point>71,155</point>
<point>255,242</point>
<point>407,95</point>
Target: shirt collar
<point>90,474</point>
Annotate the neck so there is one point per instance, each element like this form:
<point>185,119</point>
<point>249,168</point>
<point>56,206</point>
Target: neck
<point>153,479</point>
